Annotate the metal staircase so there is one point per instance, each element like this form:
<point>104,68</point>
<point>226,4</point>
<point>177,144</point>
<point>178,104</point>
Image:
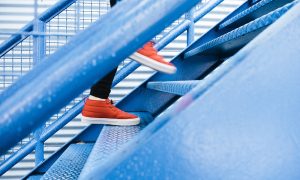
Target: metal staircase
<point>215,130</point>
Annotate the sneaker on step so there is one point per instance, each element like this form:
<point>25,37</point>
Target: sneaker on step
<point>104,112</point>
<point>149,57</point>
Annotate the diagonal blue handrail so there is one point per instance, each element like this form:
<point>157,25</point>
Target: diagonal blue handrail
<point>95,48</point>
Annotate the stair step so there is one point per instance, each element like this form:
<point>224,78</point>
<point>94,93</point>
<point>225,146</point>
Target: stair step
<point>35,177</point>
<point>111,139</point>
<point>236,39</point>
<point>255,1</point>
<point>259,9</point>
<point>174,87</point>
<point>70,163</point>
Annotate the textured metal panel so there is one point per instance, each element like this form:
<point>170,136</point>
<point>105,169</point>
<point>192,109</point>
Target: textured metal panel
<point>110,140</point>
<point>244,126</point>
<point>174,87</point>
<point>243,30</point>
<point>35,177</point>
<point>269,5</point>
<point>70,163</point>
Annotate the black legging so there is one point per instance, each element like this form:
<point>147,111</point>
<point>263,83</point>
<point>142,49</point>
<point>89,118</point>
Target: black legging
<point>103,87</point>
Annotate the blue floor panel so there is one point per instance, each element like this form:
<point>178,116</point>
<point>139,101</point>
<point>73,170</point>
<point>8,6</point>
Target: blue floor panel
<point>110,140</point>
<point>174,87</point>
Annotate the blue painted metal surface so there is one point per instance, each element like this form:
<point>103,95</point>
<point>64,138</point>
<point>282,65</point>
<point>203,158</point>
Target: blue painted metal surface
<point>158,45</point>
<point>70,163</point>
<point>39,146</point>
<point>183,26</point>
<point>135,101</point>
<point>191,29</point>
<point>255,11</point>
<point>48,132</point>
<point>74,111</point>
<point>255,1</point>
<point>18,156</point>
<point>45,17</point>
<point>54,92</point>
<point>244,125</point>
<point>39,52</point>
<point>35,177</point>
<point>121,74</point>
<point>174,87</point>
<point>186,70</point>
<point>111,139</point>
<point>206,8</point>
<point>213,32</point>
<point>87,136</point>
<point>252,29</point>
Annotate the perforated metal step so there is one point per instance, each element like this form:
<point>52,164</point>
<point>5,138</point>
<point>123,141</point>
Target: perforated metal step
<point>236,39</point>
<point>174,87</point>
<point>110,140</point>
<point>257,10</point>
<point>71,162</point>
<point>35,177</point>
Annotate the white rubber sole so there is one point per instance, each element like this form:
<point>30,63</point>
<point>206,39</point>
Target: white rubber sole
<point>152,63</point>
<point>107,121</point>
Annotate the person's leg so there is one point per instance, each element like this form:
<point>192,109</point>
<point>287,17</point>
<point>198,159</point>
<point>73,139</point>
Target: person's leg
<point>149,56</point>
<point>103,87</point>
<point>98,109</point>
<point>112,2</point>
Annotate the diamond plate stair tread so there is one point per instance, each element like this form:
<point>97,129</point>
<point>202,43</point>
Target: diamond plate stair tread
<point>253,9</point>
<point>71,162</point>
<point>35,177</point>
<point>174,87</point>
<point>110,140</point>
<point>242,31</point>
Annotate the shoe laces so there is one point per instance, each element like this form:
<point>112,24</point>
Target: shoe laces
<point>109,101</point>
<point>114,108</point>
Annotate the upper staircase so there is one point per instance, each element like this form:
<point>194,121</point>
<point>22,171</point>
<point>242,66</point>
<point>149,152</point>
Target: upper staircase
<point>229,112</point>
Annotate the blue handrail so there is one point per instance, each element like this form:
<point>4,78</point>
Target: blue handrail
<point>88,52</point>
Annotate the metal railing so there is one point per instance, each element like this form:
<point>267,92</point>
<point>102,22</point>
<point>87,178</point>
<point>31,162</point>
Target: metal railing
<point>35,33</point>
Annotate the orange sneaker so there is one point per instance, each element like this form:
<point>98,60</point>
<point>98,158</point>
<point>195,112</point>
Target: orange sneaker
<point>148,56</point>
<point>104,112</point>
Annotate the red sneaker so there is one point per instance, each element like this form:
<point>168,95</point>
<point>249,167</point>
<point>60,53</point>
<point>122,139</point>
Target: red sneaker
<point>104,112</point>
<point>148,56</point>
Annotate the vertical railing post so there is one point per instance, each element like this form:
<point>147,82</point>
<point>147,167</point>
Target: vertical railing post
<point>191,29</point>
<point>39,49</point>
<point>77,16</point>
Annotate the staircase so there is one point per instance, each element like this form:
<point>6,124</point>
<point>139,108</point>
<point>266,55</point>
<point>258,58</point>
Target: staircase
<point>229,112</point>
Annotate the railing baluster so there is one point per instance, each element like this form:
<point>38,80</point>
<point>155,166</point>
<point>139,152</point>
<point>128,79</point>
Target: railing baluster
<point>39,47</point>
<point>191,29</point>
